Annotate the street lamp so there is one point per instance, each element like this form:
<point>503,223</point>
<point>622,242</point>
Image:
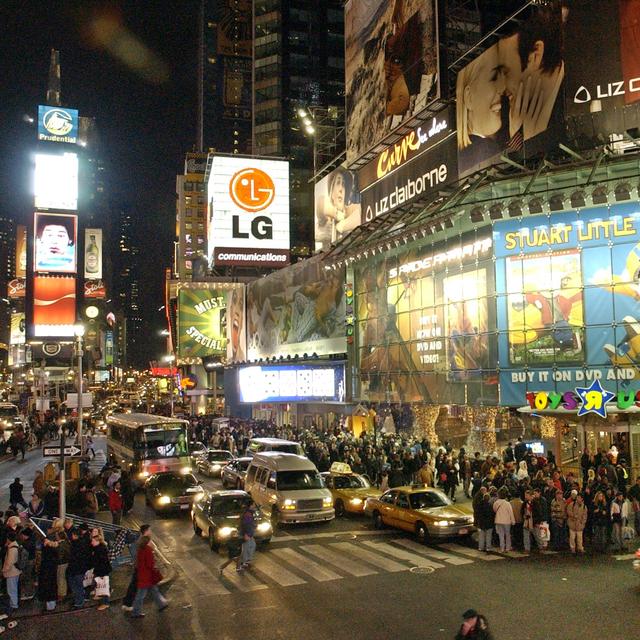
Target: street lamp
<point>78,331</point>
<point>170,359</point>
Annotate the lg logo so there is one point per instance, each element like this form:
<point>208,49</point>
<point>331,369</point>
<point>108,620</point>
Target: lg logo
<point>252,190</point>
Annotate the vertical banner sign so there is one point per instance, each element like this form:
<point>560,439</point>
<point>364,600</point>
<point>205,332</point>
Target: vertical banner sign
<point>236,325</point>
<point>108,348</point>
<point>93,254</point>
<point>21,251</point>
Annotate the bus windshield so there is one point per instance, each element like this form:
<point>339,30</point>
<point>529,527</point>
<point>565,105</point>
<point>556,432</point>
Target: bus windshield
<point>163,443</point>
<point>8,412</point>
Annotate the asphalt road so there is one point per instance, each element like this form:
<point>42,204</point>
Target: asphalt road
<point>345,581</point>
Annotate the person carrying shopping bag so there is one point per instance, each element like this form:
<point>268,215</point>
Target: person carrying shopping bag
<point>101,568</point>
<point>148,577</point>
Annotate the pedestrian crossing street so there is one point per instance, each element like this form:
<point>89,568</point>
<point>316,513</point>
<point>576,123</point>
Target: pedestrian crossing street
<point>317,561</point>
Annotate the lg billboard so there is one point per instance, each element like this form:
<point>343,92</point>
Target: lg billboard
<point>248,212</point>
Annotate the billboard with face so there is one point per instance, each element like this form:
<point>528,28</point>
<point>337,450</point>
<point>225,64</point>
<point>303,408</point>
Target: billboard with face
<point>202,322</point>
<point>236,325</point>
<point>337,207</point>
<point>56,181</point>
<point>508,99</point>
<point>17,334</point>
<point>391,51</point>
<point>54,306</point>
<point>55,243</point>
<point>296,311</point>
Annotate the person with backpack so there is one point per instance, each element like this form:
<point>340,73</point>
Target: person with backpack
<point>15,557</point>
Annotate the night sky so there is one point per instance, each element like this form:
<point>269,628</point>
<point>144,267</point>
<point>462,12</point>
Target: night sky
<point>146,116</point>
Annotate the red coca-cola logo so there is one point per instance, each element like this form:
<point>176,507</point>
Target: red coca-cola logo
<point>16,288</point>
<point>94,289</point>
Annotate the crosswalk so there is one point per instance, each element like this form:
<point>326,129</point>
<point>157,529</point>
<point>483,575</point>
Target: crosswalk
<point>318,561</point>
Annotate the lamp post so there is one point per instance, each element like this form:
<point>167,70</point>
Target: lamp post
<point>78,330</point>
<point>170,359</point>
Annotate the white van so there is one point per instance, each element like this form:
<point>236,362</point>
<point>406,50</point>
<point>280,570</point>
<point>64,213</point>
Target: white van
<point>259,445</point>
<point>10,420</point>
<point>288,487</point>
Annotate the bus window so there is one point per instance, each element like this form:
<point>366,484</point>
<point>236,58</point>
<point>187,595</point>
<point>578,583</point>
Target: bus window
<point>170,443</point>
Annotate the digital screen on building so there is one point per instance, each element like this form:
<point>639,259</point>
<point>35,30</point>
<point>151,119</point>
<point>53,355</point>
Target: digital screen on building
<point>202,322</point>
<point>54,306</point>
<point>57,124</point>
<point>391,61</point>
<point>56,181</point>
<point>291,383</point>
<point>55,243</point>
<point>248,212</point>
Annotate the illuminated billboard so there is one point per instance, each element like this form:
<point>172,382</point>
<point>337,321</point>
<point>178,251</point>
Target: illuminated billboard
<point>16,288</point>
<point>56,181</point>
<point>55,243</point>
<point>248,212</point>
<point>202,322</point>
<point>95,289</point>
<point>93,254</point>
<point>296,311</point>
<point>57,124</point>
<point>304,383</point>
<point>54,306</point>
<point>391,61</point>
<point>236,325</point>
<point>509,98</point>
<point>337,207</point>
<point>21,251</point>
<point>17,334</point>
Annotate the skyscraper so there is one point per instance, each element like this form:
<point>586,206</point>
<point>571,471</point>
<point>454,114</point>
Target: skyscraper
<point>7,262</point>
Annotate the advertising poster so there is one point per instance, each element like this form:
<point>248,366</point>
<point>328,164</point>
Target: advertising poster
<point>296,311</point>
<point>56,181</point>
<point>21,251</point>
<point>236,326</point>
<point>17,334</point>
<point>55,243</point>
<point>108,348</point>
<point>95,289</point>
<point>93,254</point>
<point>16,288</point>
<point>509,98</point>
<point>249,212</point>
<point>54,306</point>
<point>337,207</point>
<point>391,61</point>
<point>57,124</point>
<point>583,322</point>
<point>603,79</point>
<point>202,322</point>
<point>426,324</point>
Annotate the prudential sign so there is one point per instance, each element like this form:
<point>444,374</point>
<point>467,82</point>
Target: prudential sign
<point>57,124</point>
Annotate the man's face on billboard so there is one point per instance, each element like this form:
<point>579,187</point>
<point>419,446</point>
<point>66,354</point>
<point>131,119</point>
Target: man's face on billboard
<point>55,239</point>
<point>338,192</point>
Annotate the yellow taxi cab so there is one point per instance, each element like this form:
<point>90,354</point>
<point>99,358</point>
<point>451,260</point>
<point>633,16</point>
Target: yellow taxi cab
<point>427,512</point>
<point>349,490</point>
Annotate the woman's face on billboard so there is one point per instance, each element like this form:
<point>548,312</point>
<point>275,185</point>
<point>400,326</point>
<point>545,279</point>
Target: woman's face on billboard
<point>337,194</point>
<point>483,95</point>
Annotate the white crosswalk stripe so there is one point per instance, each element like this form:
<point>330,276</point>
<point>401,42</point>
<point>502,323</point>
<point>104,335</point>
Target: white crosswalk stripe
<point>374,559</point>
<point>468,551</point>
<point>272,570</point>
<point>304,564</point>
<point>242,582</point>
<point>202,577</point>
<point>338,560</point>
<point>432,553</point>
<point>416,561</point>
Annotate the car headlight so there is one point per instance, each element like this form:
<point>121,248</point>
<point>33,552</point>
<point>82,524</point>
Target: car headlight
<point>198,496</point>
<point>185,470</point>
<point>263,527</point>
<point>327,502</point>
<point>164,500</point>
<point>143,474</point>
<point>215,467</point>
<point>356,502</point>
<point>289,504</point>
<point>442,523</point>
<point>225,532</point>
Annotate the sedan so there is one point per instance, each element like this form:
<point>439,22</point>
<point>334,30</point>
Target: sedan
<point>170,491</point>
<point>427,512</point>
<point>218,517</point>
<point>213,461</point>
<point>197,450</point>
<point>234,473</point>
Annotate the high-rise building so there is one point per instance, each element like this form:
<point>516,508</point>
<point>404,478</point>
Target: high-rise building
<point>225,76</point>
<point>299,63</point>
<point>7,264</point>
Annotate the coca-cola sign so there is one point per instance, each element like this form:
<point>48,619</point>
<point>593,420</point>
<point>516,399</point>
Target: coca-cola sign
<point>16,288</point>
<point>94,289</point>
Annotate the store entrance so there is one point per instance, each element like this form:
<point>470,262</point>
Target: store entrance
<point>625,436</point>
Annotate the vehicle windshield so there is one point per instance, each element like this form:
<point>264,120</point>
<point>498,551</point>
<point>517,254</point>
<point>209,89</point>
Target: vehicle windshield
<point>244,464</point>
<point>8,412</point>
<point>289,448</point>
<point>219,456</point>
<point>175,483</point>
<point>350,482</point>
<point>229,506</point>
<point>164,443</point>
<point>298,480</point>
<point>428,499</point>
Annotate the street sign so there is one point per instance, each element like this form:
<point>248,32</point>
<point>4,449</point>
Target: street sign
<point>54,451</point>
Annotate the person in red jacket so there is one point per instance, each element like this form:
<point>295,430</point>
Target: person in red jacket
<point>148,578</point>
<point>115,504</point>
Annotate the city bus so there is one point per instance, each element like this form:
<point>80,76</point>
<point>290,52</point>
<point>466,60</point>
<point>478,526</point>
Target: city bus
<point>146,444</point>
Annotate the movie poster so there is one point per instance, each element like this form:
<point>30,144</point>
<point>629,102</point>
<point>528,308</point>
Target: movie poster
<point>236,326</point>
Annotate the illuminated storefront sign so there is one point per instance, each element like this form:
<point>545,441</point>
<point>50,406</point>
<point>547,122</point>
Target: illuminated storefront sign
<point>291,384</point>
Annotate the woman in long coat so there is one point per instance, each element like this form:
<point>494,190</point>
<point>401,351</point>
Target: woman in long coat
<point>48,575</point>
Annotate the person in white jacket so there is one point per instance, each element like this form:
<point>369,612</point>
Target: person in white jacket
<point>504,521</point>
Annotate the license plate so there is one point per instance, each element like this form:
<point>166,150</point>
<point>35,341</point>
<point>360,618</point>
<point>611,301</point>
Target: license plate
<point>185,506</point>
<point>312,517</point>
<point>463,532</point>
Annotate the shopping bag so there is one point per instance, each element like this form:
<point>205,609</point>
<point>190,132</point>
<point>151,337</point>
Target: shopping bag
<point>544,534</point>
<point>88,578</point>
<point>102,586</point>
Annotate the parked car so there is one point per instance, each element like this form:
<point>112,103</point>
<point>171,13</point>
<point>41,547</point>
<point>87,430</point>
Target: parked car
<point>218,517</point>
<point>427,512</point>
<point>213,461</point>
<point>349,490</point>
<point>234,473</point>
<point>171,491</point>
